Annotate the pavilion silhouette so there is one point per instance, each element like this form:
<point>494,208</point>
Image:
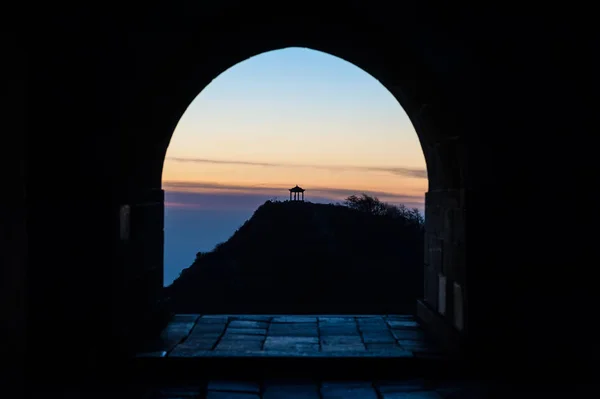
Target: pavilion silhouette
<point>295,193</point>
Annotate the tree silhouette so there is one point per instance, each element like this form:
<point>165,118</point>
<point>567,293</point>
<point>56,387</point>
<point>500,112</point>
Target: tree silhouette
<point>373,206</point>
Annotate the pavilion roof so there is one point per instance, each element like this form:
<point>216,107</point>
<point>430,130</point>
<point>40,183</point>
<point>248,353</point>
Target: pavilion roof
<point>296,189</point>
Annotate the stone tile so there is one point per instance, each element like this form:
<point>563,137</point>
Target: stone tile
<point>281,340</point>
<point>294,319</point>
<point>251,317</point>
<point>395,324</point>
<point>343,348</point>
<point>338,326</point>
<point>190,347</point>
<point>234,386</point>
<point>291,344</point>
<point>333,320</point>
<point>201,339</point>
<point>371,319</point>
<point>338,332</point>
<point>246,331</point>
<point>292,330</point>
<point>348,390</point>
<point>241,337</point>
<point>378,338</point>
<point>239,346</point>
<point>274,328</point>
<point>341,340</point>
<point>305,334</point>
<point>292,348</point>
<point>373,324</point>
<point>210,328</point>
<point>292,326</point>
<point>376,331</point>
<point>248,324</point>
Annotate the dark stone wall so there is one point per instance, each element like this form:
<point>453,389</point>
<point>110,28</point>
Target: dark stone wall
<point>498,112</point>
<point>445,268</point>
<point>13,215</point>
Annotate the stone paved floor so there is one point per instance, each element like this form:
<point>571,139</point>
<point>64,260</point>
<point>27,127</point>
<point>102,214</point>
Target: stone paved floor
<point>191,335</point>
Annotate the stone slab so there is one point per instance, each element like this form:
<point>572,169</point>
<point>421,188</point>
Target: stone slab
<point>332,320</point>
<point>352,348</point>
<point>251,318</point>
<point>402,324</point>
<point>242,337</point>
<point>248,324</point>
<point>378,338</point>
<point>291,348</point>
<point>246,331</point>
<point>208,329</point>
<point>242,346</point>
<point>294,319</point>
<point>341,340</point>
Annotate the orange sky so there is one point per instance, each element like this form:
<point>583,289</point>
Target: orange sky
<point>296,116</point>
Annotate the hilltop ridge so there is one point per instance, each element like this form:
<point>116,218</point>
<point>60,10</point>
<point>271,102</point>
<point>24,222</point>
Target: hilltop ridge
<point>302,257</point>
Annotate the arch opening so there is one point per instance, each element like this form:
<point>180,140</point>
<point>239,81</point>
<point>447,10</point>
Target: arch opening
<point>412,81</point>
<point>281,117</point>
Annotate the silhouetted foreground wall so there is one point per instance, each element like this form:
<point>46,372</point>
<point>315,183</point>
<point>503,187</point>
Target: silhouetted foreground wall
<point>498,112</point>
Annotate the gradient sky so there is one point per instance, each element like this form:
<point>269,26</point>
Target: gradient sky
<point>285,117</point>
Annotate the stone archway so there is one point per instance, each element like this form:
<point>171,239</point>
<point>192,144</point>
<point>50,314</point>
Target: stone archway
<point>108,102</point>
<point>159,93</point>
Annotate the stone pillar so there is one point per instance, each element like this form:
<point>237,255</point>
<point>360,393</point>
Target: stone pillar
<point>140,283</point>
<point>442,310</point>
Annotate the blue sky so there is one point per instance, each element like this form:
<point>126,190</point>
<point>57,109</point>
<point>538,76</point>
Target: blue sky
<point>286,117</point>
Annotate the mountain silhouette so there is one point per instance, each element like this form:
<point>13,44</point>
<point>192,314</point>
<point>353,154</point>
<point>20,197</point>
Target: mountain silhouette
<point>301,257</point>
